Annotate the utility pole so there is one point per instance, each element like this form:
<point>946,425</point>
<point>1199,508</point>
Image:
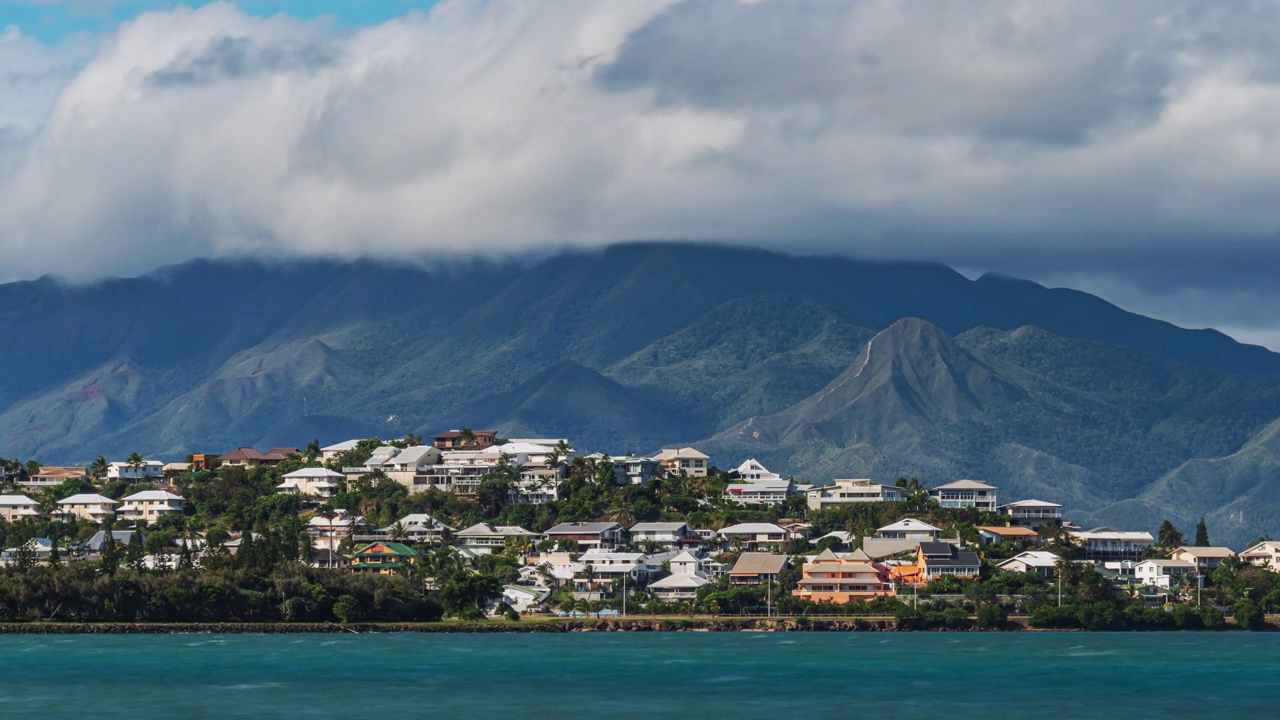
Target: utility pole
<point>1059,587</point>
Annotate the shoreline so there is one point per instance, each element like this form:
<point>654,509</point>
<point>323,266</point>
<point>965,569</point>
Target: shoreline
<point>536,625</point>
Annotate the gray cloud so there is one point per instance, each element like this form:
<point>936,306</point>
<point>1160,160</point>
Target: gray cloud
<point>1131,146</point>
<point>235,58</point>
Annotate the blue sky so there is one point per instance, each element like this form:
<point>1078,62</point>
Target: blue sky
<point>51,20</point>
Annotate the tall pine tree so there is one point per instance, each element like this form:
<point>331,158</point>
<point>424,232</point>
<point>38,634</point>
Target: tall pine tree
<point>1202,533</point>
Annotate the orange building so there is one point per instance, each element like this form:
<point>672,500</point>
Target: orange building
<point>843,579</point>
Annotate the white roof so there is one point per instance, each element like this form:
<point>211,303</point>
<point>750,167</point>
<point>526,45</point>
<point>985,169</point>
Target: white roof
<point>752,529</point>
<point>1109,534</point>
<point>153,495</point>
<point>684,453</point>
<point>762,484</point>
<point>316,472</point>
<point>411,455</point>
<point>1032,504</point>
<point>16,500</point>
<point>696,580</point>
<point>1168,563</point>
<point>422,520</point>
<point>342,446</point>
<point>658,526</point>
<point>1034,558</point>
<point>518,448</point>
<point>909,524</point>
<point>685,557</point>
<point>487,530</point>
<point>966,485</point>
<point>87,499</point>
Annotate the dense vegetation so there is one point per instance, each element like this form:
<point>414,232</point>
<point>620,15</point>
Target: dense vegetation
<point>267,579</point>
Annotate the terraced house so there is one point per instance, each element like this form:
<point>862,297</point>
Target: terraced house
<point>828,578</point>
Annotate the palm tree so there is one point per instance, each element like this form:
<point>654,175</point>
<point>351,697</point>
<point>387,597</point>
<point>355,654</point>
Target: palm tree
<point>99,469</point>
<point>622,513</point>
<point>135,460</point>
<point>466,437</point>
<point>398,531</point>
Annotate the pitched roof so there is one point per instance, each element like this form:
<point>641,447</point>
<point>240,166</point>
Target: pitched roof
<point>966,485</point>
<point>152,495</point>
<point>1208,552</point>
<point>343,446</point>
<point>658,526</point>
<point>680,581</point>
<point>312,473</point>
<point>16,500</point>
<point>1031,504</point>
<point>908,524</point>
<point>87,499</point>
<point>888,547</point>
<point>583,528</point>
<point>1033,558</point>
<point>392,548</point>
<point>753,563</point>
<point>684,453</point>
<point>752,529</point>
<point>1008,531</point>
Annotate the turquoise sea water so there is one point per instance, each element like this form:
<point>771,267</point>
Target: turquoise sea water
<point>643,675</point>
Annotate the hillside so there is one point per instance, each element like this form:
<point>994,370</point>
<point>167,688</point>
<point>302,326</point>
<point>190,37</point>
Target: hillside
<point>1049,392</point>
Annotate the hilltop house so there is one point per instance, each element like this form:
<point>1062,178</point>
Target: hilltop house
<point>329,532</point>
<point>598,569</point>
<point>145,470</point>
<point>456,440</point>
<point>966,494</point>
<point>1265,554</point>
<point>149,505</point>
<point>844,491</point>
<point>16,507</point>
<point>938,559</point>
<point>990,534</point>
<point>1204,558</point>
<point>1033,514</point>
<point>588,535</point>
<point>86,506</point>
<point>52,476</point>
<point>667,534</point>
<point>1105,545</point>
<point>828,578</point>
<point>382,558</point>
<point>755,536</point>
<point>909,529</point>
<point>248,457</point>
<point>331,452</point>
<point>1161,573</point>
<point>316,482</point>
<point>484,538</point>
<point>763,492</point>
<point>1037,561</point>
<point>683,460</point>
<point>419,528</point>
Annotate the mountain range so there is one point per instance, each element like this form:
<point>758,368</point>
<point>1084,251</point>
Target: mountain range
<point>821,367</point>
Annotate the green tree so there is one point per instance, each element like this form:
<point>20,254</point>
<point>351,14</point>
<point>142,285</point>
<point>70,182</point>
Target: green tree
<point>992,617</point>
<point>98,470</point>
<point>1202,533</point>
<point>1248,615</point>
<point>1168,535</point>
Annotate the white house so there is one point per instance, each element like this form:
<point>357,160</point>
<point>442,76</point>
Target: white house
<point>966,494</point>
<point>674,588</point>
<point>328,533</point>
<point>317,482</point>
<point>845,491</point>
<point>1104,544</point>
<point>1161,572</point>
<point>87,506</point>
<point>588,535</point>
<point>1037,561</point>
<point>752,471</point>
<point>419,528</point>
<point>683,460</point>
<point>763,492</point>
<point>755,536</point>
<point>146,470</point>
<point>599,568</point>
<point>149,505</point>
<point>1032,513</point>
<point>666,534</point>
<point>484,538</point>
<point>523,598</point>
<point>331,452</point>
<point>1265,554</point>
<point>16,507</point>
<point>909,529</point>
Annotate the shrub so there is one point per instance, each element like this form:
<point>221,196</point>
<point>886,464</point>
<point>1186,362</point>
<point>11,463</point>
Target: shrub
<point>956,618</point>
<point>992,617</point>
<point>1186,618</point>
<point>1212,619</point>
<point>1248,615</point>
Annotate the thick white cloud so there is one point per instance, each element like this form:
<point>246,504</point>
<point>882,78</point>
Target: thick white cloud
<point>1037,137</point>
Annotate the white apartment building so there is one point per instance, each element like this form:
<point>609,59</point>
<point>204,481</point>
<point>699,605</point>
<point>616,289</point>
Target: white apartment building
<point>150,505</point>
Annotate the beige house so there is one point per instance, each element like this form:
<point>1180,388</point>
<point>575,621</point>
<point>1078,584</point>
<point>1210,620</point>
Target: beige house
<point>86,506</point>
<point>845,491</point>
<point>686,460</point>
<point>16,507</point>
<point>150,505</point>
<point>1265,554</point>
<point>1204,558</point>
